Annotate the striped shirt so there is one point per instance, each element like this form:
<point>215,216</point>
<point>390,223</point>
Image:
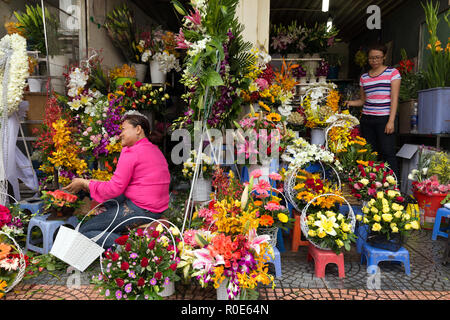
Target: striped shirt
<point>378,92</point>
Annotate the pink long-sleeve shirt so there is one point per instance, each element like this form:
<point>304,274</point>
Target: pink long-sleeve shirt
<point>142,175</point>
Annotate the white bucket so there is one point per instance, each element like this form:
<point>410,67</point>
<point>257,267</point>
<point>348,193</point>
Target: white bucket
<point>34,85</point>
<point>169,290</point>
<point>141,71</point>
<point>222,292</point>
<point>318,136</point>
<point>202,190</point>
<point>157,75</point>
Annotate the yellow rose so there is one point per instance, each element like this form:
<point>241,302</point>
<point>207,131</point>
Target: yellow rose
<point>358,217</point>
<point>391,180</point>
<point>283,218</point>
<point>322,234</point>
<point>408,226</point>
<point>406,216</point>
<point>392,193</point>
<point>377,218</point>
<point>394,229</point>
<point>386,209</point>
<point>345,227</point>
<point>395,206</point>
<point>365,210</point>
<point>365,220</point>
<point>340,217</point>
<point>330,214</point>
<point>415,225</point>
<point>380,195</point>
<point>374,210</point>
<point>339,243</point>
<point>387,217</point>
<point>376,227</point>
<point>364,181</point>
<point>312,233</point>
<point>371,202</point>
<point>398,214</point>
<point>175,231</point>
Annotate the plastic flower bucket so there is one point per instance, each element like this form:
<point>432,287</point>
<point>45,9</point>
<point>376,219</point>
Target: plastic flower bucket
<point>120,81</point>
<point>428,204</point>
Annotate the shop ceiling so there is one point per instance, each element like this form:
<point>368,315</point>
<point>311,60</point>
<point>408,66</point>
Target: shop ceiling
<point>349,16</point>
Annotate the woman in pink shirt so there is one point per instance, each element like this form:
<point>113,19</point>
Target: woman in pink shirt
<point>140,183</point>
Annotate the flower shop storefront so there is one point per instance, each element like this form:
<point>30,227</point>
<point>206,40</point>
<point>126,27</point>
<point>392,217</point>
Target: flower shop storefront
<point>194,163</point>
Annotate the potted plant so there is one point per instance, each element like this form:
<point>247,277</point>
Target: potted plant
<point>433,101</point>
<point>60,204</point>
<point>32,25</point>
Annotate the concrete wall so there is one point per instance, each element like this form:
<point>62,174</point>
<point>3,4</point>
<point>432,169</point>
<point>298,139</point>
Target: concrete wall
<point>255,16</point>
<point>7,9</point>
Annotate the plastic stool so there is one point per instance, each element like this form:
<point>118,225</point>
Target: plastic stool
<point>441,213</point>
<point>373,256</point>
<point>276,261</point>
<point>297,233</point>
<point>33,207</point>
<point>48,229</point>
<point>324,257</point>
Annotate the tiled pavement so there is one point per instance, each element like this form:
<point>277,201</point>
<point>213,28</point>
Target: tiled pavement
<point>429,280</point>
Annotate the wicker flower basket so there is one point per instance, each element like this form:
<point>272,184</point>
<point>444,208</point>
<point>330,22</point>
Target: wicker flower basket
<point>304,222</point>
<point>271,232</point>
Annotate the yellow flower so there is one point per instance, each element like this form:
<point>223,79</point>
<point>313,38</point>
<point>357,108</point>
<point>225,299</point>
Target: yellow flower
<point>394,229</point>
<point>339,243</point>
<point>365,210</point>
<point>3,286</point>
<point>345,227</point>
<point>387,217</point>
<point>359,217</point>
<point>408,226</point>
<point>380,195</point>
<point>415,225</point>
<point>365,220</point>
<point>398,214</point>
<point>283,218</point>
<point>312,233</point>
<point>374,210</point>
<point>275,117</point>
<point>377,218</point>
<point>322,234</point>
<point>376,227</point>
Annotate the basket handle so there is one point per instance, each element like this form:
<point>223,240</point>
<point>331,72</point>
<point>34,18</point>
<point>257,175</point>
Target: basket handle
<point>323,195</point>
<point>101,234</point>
<point>146,218</point>
<point>6,194</point>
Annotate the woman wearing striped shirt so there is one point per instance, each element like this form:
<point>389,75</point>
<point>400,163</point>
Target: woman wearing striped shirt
<point>379,94</point>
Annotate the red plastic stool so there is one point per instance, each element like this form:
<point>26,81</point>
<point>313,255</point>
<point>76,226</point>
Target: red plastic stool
<point>324,257</point>
<point>297,233</point>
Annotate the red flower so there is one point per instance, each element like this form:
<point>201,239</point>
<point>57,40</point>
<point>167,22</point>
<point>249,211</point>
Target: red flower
<point>152,244</point>
<point>114,256</point>
<point>144,262</point>
<point>121,240</point>
<point>141,282</point>
<point>357,195</point>
<point>400,199</point>
<point>120,282</point>
<point>124,266</point>
<point>128,247</point>
<point>138,84</point>
<point>155,234</point>
<point>140,232</point>
<point>173,266</point>
<point>158,275</point>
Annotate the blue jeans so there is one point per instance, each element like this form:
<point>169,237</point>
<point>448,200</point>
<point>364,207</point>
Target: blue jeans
<point>127,210</point>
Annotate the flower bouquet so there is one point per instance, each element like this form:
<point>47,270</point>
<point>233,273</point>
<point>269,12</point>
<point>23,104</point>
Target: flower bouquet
<point>60,204</point>
<point>234,256</point>
<point>14,223</point>
<point>388,220</point>
<point>288,39</point>
<point>320,102</point>
<point>370,179</point>
<point>329,229</point>
<point>323,69</point>
<point>13,264</point>
<point>141,96</point>
<point>146,263</point>
<point>432,177</point>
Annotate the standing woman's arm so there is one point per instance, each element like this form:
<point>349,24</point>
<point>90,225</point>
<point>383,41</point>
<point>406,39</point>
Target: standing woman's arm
<point>395,91</point>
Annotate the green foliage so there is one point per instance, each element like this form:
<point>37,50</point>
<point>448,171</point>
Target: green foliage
<point>440,167</point>
<point>33,26</point>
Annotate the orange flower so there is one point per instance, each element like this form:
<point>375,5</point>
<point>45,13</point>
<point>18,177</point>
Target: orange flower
<point>4,250</point>
<point>266,220</point>
<point>258,203</point>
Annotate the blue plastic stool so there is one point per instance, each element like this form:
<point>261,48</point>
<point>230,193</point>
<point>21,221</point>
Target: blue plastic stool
<point>48,229</point>
<point>33,207</point>
<point>441,213</point>
<point>374,255</point>
<point>276,261</point>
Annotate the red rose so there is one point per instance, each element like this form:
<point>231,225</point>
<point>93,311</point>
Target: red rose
<point>141,282</point>
<point>357,195</point>
<point>158,275</point>
<point>400,199</point>
<point>121,240</point>
<point>138,84</point>
<point>144,262</point>
<point>124,266</point>
<point>140,232</point>
<point>120,282</point>
<point>173,266</point>
<point>158,260</point>
<point>371,163</point>
<point>128,247</point>
<point>152,244</point>
<point>155,234</point>
<point>114,256</point>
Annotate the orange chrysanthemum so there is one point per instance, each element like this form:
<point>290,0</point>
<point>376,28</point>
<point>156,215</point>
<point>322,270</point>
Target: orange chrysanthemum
<point>4,250</point>
<point>266,221</point>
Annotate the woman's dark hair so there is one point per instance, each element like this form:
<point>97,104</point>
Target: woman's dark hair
<point>137,120</point>
<point>378,47</point>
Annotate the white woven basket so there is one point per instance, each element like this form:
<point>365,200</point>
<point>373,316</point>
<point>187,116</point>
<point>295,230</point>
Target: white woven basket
<point>271,232</point>
<point>77,250</point>
<point>304,221</point>
<point>202,190</point>
<point>22,262</point>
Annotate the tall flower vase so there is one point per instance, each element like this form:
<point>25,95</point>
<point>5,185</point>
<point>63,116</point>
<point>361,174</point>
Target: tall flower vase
<point>222,291</point>
<point>141,71</point>
<point>156,74</point>
<point>318,136</point>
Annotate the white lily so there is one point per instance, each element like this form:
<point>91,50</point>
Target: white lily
<point>327,224</point>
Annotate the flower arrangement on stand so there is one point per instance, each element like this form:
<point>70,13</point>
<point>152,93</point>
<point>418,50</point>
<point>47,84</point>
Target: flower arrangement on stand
<point>233,257</point>
<point>206,163</point>
<point>388,220</point>
<point>146,263</point>
<point>122,74</point>
<point>288,39</point>
<point>320,102</point>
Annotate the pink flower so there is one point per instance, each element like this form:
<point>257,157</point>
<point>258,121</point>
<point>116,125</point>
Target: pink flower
<point>275,176</point>
<point>262,83</point>
<point>263,187</point>
<point>195,17</point>
<point>271,206</point>
<point>372,191</point>
<point>378,184</point>
<point>356,186</point>
<point>181,41</point>
<point>256,173</point>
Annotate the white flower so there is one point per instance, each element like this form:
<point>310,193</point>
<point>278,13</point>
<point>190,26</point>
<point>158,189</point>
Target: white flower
<point>18,70</point>
<point>146,56</point>
<point>9,264</point>
<point>167,62</point>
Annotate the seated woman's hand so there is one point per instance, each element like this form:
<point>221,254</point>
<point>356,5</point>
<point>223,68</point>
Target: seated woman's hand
<point>75,186</point>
